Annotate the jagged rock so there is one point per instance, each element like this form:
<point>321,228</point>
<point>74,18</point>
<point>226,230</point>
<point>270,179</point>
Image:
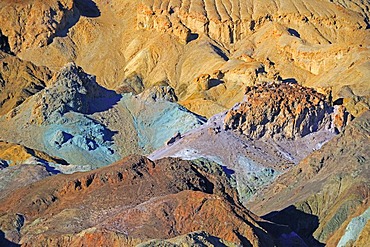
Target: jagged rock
<point>151,200</point>
<point>283,111</point>
<point>35,24</point>
<point>19,80</point>
<point>157,93</point>
<point>72,90</point>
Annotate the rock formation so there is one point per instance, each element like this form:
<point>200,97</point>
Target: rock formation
<point>177,197</point>
<point>14,154</point>
<point>332,184</point>
<point>35,23</point>
<point>19,80</point>
<point>283,111</point>
<point>272,129</point>
<point>320,44</point>
<point>88,125</point>
<point>85,83</point>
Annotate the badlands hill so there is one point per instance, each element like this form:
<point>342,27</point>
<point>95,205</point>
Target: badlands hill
<point>253,115</point>
<point>207,51</point>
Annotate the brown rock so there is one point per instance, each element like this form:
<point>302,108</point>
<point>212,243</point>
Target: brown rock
<point>19,80</point>
<point>281,110</point>
<point>129,202</point>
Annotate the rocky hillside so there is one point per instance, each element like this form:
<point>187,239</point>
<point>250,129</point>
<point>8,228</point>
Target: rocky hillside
<point>254,116</point>
<point>332,184</point>
<point>320,44</point>
<point>176,198</point>
<point>271,130</point>
<point>89,126</point>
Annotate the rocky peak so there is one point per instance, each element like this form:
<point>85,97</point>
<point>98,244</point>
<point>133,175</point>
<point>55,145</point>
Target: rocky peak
<point>283,110</point>
<point>71,90</point>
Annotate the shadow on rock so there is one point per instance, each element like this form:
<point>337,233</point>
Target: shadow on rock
<point>302,225</point>
<point>87,8</point>
<point>6,242</point>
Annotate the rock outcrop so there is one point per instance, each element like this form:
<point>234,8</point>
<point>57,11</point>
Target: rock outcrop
<point>72,90</point>
<point>19,80</point>
<point>275,127</point>
<point>129,202</point>
<point>283,111</point>
<point>15,154</point>
<point>88,125</point>
<point>231,21</point>
<point>331,184</point>
<point>35,23</point>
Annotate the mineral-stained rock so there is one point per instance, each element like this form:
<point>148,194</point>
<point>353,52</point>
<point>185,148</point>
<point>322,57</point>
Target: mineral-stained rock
<point>88,125</point>
<point>15,177</point>
<point>15,154</point>
<point>132,201</point>
<point>72,90</point>
<point>283,111</point>
<point>331,184</point>
<point>276,126</point>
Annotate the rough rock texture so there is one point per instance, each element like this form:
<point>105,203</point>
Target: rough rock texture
<point>283,111</point>
<point>175,198</point>
<point>192,239</point>
<point>34,23</point>
<point>330,184</point>
<point>231,21</point>
<point>88,125</point>
<point>19,80</point>
<point>14,154</point>
<point>15,177</point>
<point>274,128</point>
<point>321,44</point>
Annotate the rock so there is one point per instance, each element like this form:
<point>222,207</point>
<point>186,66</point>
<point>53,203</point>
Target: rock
<point>178,197</point>
<point>158,93</point>
<point>15,177</point>
<point>283,111</point>
<point>35,24</point>
<point>174,139</point>
<point>330,184</point>
<point>354,229</point>
<point>249,43</point>
<point>19,80</point>
<point>4,43</point>
<point>72,90</point>
<point>61,137</point>
<point>15,154</point>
